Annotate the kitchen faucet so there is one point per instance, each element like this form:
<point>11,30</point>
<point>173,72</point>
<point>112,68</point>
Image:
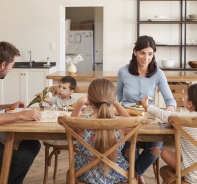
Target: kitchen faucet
<point>29,52</point>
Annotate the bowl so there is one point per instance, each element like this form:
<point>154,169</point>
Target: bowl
<point>193,64</point>
<point>169,63</point>
<point>160,17</point>
<point>193,16</point>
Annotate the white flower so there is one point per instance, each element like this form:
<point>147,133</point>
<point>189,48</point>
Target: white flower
<point>75,60</point>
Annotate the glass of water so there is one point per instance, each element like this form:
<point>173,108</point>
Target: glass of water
<point>54,108</point>
<point>65,108</point>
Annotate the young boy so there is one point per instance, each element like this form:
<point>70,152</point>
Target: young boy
<point>66,88</point>
<point>63,98</point>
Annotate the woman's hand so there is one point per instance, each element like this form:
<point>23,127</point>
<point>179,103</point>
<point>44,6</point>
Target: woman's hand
<point>144,102</point>
<point>170,108</point>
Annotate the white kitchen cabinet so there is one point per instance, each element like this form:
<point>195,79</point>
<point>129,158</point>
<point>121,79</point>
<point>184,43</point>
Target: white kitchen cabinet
<point>23,84</point>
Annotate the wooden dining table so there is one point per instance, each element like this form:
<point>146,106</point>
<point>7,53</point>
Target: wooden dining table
<point>51,130</point>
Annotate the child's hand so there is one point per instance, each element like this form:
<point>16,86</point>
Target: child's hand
<point>144,102</point>
<point>170,108</point>
<point>80,103</point>
<point>83,101</point>
<point>39,94</point>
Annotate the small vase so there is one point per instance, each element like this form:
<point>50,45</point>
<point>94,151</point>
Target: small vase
<point>72,69</point>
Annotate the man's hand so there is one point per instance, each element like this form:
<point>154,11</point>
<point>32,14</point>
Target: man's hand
<point>18,104</point>
<point>30,115</point>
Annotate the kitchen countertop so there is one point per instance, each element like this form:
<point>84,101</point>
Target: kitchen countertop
<point>172,76</point>
<point>33,65</point>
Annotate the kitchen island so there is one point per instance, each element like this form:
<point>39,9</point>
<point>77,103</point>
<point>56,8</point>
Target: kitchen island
<point>178,81</point>
<point>84,78</point>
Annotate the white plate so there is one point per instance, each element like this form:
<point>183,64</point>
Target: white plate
<point>157,19</point>
<point>22,109</point>
<point>16,110</point>
<point>70,108</point>
<point>136,108</point>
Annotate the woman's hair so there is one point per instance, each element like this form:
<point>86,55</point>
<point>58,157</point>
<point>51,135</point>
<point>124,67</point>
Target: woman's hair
<point>8,52</point>
<point>142,43</point>
<point>192,95</point>
<point>102,94</point>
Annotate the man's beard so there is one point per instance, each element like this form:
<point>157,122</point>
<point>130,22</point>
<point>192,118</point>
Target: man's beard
<point>2,77</point>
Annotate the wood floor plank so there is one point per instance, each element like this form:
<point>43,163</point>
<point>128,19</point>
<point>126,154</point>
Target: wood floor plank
<point>36,172</point>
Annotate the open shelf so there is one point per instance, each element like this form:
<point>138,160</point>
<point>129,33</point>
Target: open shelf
<point>179,21</point>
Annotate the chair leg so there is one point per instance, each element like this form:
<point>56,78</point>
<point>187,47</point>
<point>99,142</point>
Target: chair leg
<point>55,166</point>
<point>46,164</point>
<point>156,170</point>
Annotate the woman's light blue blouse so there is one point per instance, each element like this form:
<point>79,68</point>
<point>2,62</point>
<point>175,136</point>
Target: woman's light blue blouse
<point>131,88</point>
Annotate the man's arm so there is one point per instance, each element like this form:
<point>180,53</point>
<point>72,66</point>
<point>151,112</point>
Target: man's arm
<point>28,115</point>
<point>14,105</point>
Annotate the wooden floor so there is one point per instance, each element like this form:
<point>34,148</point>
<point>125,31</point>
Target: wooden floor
<point>36,172</point>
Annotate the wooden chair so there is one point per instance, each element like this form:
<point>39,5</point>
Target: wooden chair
<point>178,122</point>
<point>132,123</point>
<point>179,90</point>
<point>56,148</point>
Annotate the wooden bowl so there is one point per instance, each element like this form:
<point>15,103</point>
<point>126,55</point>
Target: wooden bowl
<point>193,64</point>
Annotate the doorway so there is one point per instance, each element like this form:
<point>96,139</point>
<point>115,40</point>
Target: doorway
<point>78,14</point>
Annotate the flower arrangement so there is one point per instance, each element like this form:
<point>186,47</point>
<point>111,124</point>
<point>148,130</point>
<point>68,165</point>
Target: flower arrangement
<point>75,60</point>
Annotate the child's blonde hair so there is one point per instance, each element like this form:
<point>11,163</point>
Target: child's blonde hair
<point>102,94</point>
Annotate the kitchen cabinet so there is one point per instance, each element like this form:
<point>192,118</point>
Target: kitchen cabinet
<point>175,34</point>
<point>23,84</point>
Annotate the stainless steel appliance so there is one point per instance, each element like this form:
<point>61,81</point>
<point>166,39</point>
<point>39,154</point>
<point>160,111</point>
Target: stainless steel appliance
<point>81,42</point>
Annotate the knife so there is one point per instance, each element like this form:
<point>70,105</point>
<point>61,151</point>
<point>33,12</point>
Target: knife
<point>161,126</point>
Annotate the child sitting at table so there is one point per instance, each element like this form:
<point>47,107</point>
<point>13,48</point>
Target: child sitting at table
<point>63,98</point>
<point>66,88</point>
<point>188,157</point>
<point>101,95</point>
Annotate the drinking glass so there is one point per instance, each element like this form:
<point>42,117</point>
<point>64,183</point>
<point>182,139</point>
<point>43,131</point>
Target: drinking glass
<point>54,108</point>
<point>65,108</point>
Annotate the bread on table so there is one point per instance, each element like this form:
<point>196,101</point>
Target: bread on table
<point>10,110</point>
<point>132,112</point>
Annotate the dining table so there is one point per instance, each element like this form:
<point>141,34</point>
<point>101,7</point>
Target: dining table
<point>49,129</point>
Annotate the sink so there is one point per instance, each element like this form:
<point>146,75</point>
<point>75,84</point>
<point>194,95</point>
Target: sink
<point>33,64</point>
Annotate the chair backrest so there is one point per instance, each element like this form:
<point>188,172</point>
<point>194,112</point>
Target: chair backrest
<point>78,89</point>
<point>179,123</point>
<point>179,90</point>
<point>131,123</point>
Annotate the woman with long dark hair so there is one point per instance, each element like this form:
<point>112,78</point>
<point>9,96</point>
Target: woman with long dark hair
<point>140,78</point>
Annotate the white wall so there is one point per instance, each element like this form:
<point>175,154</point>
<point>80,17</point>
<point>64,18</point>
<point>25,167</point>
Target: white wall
<point>34,24</point>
